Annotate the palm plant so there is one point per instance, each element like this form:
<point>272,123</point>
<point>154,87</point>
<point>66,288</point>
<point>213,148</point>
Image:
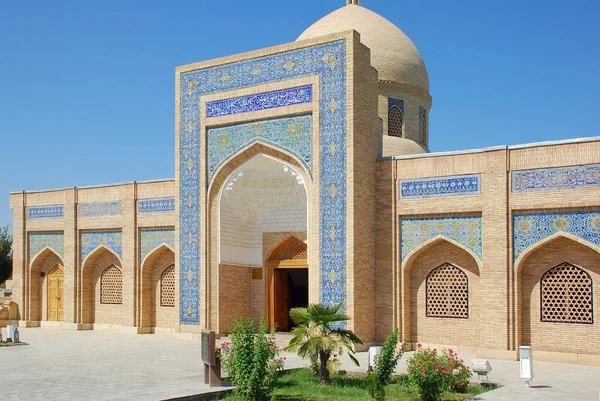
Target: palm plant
<point>318,335</point>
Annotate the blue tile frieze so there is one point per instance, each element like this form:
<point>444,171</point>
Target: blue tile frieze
<point>95,209</point>
<point>529,229</point>
<point>440,186</point>
<point>38,241</point>
<point>151,239</point>
<point>90,240</point>
<point>556,178</point>
<point>158,205</point>
<point>261,101</point>
<point>45,212</point>
<point>465,230</point>
<point>327,61</point>
<point>292,134</point>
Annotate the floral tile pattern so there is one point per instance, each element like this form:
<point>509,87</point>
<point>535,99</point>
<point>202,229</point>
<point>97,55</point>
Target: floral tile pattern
<point>38,241</point>
<point>442,186</point>
<point>90,240</point>
<point>395,103</point>
<point>556,178</point>
<point>292,134</point>
<point>327,61</point>
<point>94,209</point>
<point>529,229</point>
<point>464,230</point>
<point>151,239</point>
<point>261,101</point>
<point>45,212</point>
<point>158,205</point>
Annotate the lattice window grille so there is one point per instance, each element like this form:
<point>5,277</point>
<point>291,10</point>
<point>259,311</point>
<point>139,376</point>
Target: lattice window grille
<point>423,125</point>
<point>294,250</point>
<point>167,287</point>
<point>111,286</point>
<point>566,295</point>
<point>447,292</point>
<point>395,119</point>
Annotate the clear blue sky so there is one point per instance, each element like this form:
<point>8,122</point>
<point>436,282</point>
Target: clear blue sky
<point>87,88</point>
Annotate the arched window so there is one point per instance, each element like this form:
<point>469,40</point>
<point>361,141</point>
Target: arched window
<point>566,295</point>
<point>447,292</point>
<point>167,287</point>
<point>395,120</point>
<point>111,286</point>
<point>423,126</point>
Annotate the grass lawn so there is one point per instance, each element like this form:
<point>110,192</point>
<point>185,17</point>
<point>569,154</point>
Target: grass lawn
<point>11,344</point>
<point>300,385</point>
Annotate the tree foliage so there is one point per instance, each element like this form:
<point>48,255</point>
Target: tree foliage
<point>5,255</point>
<point>318,336</point>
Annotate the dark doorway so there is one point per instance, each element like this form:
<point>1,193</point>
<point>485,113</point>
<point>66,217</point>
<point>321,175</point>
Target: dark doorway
<point>291,291</point>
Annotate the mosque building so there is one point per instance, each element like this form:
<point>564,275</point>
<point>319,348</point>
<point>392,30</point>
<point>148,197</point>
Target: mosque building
<point>303,175</point>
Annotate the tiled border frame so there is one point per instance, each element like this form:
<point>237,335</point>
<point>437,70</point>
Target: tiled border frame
<point>205,78</point>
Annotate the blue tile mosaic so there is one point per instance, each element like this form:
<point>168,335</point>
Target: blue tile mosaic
<point>38,241</point>
<point>465,230</point>
<point>292,134</point>
<point>90,240</point>
<point>94,209</point>
<point>327,61</point>
<point>556,178</point>
<point>261,101</point>
<point>151,239</point>
<point>398,103</point>
<point>45,212</point>
<point>440,186</point>
<point>158,205</point>
<point>529,229</point>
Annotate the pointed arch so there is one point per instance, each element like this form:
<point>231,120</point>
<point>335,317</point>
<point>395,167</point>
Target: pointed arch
<point>44,253</point>
<point>92,256</point>
<point>155,253</point>
<point>153,268</point>
<point>291,248</point>
<point>395,122</point>
<point>520,261</point>
<point>412,255</point>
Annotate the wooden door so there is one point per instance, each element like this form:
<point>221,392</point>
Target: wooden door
<point>281,299</point>
<point>56,303</point>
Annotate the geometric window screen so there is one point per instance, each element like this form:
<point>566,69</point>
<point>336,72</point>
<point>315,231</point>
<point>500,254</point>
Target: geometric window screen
<point>111,286</point>
<point>422,126</point>
<point>395,122</point>
<point>447,292</point>
<point>566,295</point>
<point>167,287</point>
<point>294,249</point>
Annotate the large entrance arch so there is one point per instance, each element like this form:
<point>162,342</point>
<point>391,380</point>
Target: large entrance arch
<point>263,200</point>
<point>45,264</point>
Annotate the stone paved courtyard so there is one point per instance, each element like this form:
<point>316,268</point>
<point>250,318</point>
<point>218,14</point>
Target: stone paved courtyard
<point>98,365</point>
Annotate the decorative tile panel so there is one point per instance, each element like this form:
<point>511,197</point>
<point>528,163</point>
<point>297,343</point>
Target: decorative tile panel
<point>327,61</point>
<point>45,212</point>
<point>556,178</point>
<point>442,186</point>
<point>38,241</point>
<point>464,230</point>
<point>261,101</point>
<point>395,103</point>
<point>292,134</point>
<point>151,239</point>
<point>158,205</point>
<point>529,229</point>
<point>94,209</point>
<point>90,240</point>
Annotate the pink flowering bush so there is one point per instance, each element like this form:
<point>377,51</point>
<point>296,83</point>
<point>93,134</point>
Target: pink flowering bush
<point>461,373</point>
<point>251,359</point>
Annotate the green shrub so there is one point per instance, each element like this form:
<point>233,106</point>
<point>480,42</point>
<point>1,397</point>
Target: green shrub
<point>375,387</point>
<point>387,359</point>
<point>251,359</point>
<point>429,372</point>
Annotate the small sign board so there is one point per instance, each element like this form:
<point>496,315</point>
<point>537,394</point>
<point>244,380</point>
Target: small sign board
<point>207,343</point>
